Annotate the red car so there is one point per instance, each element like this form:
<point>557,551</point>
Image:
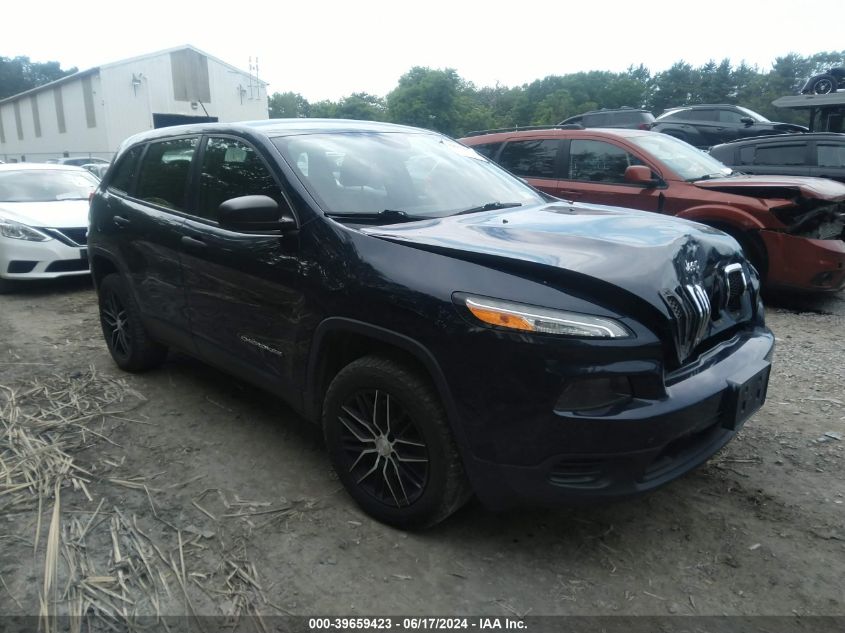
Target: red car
<point>791,228</point>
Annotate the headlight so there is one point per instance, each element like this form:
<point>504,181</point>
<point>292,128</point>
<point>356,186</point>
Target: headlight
<point>526,318</point>
<point>18,231</point>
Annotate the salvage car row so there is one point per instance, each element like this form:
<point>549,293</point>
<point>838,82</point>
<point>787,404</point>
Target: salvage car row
<point>452,328</point>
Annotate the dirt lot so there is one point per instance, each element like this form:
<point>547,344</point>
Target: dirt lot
<point>199,493</point>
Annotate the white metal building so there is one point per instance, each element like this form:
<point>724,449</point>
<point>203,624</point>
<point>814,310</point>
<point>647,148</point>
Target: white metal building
<point>90,112</point>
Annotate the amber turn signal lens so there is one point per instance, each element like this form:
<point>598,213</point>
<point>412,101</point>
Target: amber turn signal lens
<point>503,319</point>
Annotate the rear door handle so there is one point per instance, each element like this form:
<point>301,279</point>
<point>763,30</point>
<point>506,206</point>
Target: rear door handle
<point>192,242</point>
<point>119,220</point>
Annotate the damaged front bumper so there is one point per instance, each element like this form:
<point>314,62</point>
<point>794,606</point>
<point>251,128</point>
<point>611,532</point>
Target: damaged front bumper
<point>802,263</point>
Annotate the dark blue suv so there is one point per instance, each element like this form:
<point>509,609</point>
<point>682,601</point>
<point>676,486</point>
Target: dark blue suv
<point>452,329</point>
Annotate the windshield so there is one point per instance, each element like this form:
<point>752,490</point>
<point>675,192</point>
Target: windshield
<point>421,175</point>
<point>45,185</point>
<point>686,161</point>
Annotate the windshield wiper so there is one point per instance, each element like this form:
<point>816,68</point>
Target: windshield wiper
<point>391,216</point>
<point>490,206</point>
<point>708,177</point>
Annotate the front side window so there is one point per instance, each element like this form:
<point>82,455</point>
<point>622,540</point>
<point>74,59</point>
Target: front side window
<point>532,158</point>
<point>420,174</point>
<point>831,155</point>
<point>597,161</point>
<point>791,155</point>
<point>731,116</point>
<point>164,173</point>
<point>230,169</point>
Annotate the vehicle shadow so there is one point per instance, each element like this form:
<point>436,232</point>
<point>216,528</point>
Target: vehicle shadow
<point>51,287</point>
<point>820,303</point>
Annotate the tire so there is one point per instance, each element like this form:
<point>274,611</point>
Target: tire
<point>825,84</point>
<point>417,478</point>
<point>129,343</point>
<point>753,249</point>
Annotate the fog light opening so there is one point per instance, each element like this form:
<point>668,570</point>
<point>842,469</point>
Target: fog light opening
<point>589,394</point>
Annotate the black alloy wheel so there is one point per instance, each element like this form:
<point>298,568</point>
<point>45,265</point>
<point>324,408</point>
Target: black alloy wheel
<point>391,445</point>
<point>386,452</point>
<point>130,346</point>
<point>825,85</point>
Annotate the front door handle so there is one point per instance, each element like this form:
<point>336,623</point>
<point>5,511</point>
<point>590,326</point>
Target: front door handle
<point>192,242</point>
<point>119,220</point>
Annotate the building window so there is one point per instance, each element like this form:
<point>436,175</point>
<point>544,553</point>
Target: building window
<point>18,124</point>
<point>36,115</point>
<point>190,76</point>
<point>60,109</point>
<point>88,98</point>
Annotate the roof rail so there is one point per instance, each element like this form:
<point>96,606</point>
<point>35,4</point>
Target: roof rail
<point>526,128</point>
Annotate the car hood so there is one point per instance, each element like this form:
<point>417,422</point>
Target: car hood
<point>777,186</point>
<point>594,250</point>
<point>59,214</point>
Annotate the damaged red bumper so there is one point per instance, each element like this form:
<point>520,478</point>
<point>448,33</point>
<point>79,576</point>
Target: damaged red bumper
<point>803,263</point>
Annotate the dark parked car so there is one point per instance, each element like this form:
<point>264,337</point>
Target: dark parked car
<point>825,83</point>
<point>820,154</point>
<point>451,328</point>
<point>81,161</point>
<point>791,228</point>
<point>707,125</point>
<point>621,117</point>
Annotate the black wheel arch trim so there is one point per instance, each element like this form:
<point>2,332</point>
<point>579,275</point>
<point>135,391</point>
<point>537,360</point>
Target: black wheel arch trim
<point>314,391</point>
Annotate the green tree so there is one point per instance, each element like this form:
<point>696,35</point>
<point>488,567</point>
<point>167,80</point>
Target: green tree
<point>362,106</point>
<point>288,105</point>
<point>431,99</point>
<point>18,74</point>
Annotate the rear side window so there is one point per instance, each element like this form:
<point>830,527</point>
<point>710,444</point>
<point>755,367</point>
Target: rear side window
<point>746,155</point>
<point>831,155</point>
<point>230,169</point>
<point>126,170</point>
<point>595,120</point>
<point>164,173</point>
<point>487,149</point>
<point>534,158</point>
<point>786,154</point>
<point>597,161</point>
<point>701,115</point>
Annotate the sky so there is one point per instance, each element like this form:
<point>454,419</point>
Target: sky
<point>328,49</point>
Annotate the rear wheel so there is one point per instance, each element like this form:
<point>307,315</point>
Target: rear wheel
<point>825,85</point>
<point>390,444</point>
<point>129,343</point>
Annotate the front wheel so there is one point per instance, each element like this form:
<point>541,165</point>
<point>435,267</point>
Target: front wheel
<point>390,444</point>
<point>129,343</point>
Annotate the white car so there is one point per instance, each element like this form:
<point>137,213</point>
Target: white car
<point>43,222</point>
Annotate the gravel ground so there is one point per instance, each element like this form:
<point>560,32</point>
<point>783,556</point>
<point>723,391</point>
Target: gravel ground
<point>195,493</point>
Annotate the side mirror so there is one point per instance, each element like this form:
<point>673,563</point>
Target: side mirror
<point>640,175</point>
<point>254,213</point>
<point>747,120</point>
